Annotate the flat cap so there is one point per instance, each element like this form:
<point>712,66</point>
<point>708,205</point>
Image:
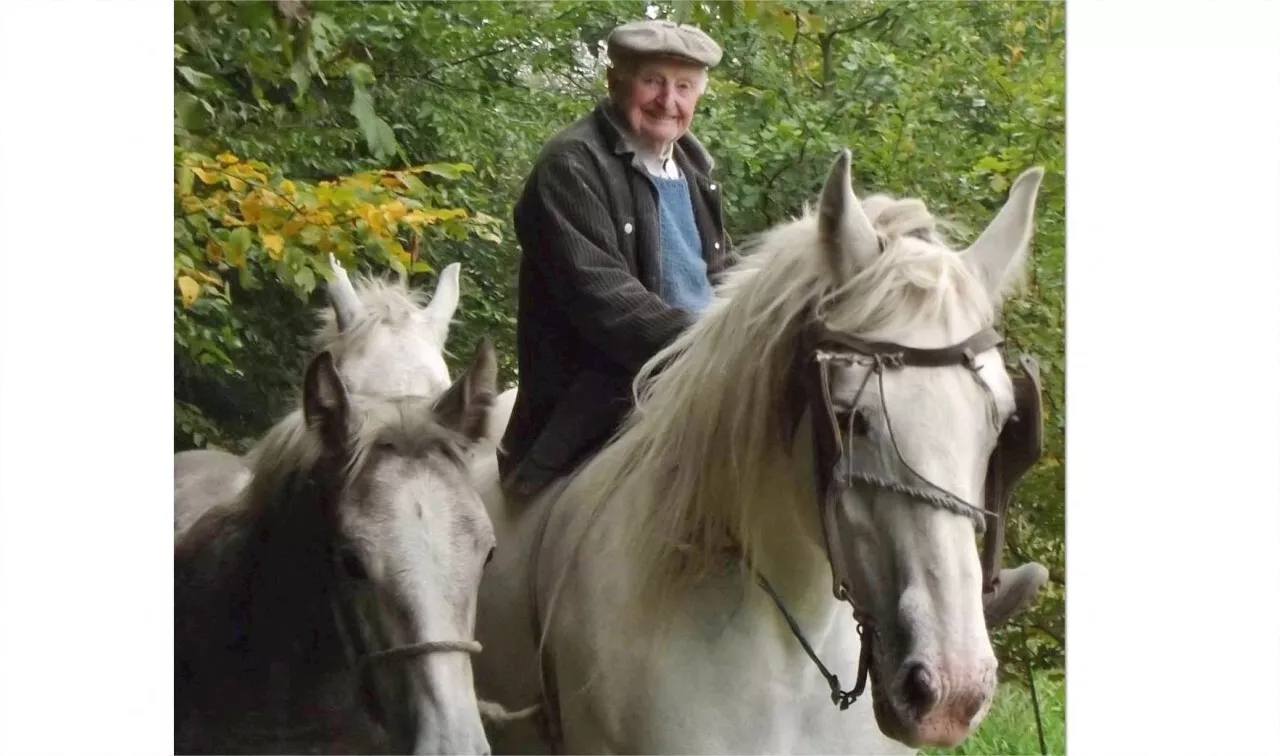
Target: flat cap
<point>664,38</point>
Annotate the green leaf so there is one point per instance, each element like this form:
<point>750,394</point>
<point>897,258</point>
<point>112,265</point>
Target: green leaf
<point>445,170</point>
<point>189,110</point>
<point>197,80</point>
<point>305,278</point>
<point>311,235</point>
<point>239,241</point>
<point>992,163</point>
<point>300,74</point>
<point>186,177</point>
<point>325,34</point>
<point>360,74</point>
<point>378,136</point>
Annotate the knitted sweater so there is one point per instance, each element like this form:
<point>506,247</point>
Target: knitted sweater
<point>684,272</point>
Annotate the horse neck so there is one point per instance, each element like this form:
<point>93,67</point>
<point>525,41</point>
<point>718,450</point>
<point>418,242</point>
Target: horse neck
<point>788,549</point>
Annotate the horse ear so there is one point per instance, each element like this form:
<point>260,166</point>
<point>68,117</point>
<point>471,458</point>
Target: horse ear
<point>342,295</point>
<point>444,303</point>
<point>324,399</point>
<point>848,239</point>
<point>998,254</point>
<point>466,405</point>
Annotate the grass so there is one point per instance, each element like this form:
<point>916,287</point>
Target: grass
<point>1010,727</point>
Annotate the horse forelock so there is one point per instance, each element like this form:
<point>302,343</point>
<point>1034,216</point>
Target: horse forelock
<point>387,303</point>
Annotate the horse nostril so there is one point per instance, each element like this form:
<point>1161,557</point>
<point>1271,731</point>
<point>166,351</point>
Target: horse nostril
<point>919,687</point>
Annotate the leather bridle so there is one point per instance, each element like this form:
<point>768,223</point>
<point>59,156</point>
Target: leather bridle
<point>835,468</point>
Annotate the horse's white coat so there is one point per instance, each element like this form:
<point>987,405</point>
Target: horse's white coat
<point>659,642</point>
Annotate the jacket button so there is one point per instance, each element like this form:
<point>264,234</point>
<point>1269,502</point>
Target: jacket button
<point>713,187</point>
<point>717,245</point>
<point>626,228</point>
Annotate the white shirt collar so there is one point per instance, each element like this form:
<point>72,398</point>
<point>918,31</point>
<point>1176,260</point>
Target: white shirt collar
<point>660,164</point>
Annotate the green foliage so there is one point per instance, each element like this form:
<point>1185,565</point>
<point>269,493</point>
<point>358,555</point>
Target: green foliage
<point>945,101</point>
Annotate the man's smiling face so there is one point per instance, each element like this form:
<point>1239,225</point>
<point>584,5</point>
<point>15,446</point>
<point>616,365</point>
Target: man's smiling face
<point>658,99</point>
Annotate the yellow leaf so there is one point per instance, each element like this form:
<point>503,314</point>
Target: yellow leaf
<point>251,209</point>
<point>431,215</point>
<point>227,158</point>
<point>293,226</point>
<point>274,244</point>
<point>231,220</point>
<point>371,216</point>
<point>397,251</point>
<point>191,204</point>
<point>236,184</point>
<point>394,211</point>
<point>205,176</point>
<point>190,290</point>
<point>287,187</point>
<point>213,251</point>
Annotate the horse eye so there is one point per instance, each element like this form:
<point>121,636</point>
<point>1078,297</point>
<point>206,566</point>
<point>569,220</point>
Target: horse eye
<point>488,558</point>
<point>352,567</point>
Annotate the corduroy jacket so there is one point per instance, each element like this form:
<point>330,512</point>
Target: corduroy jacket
<point>588,313</point>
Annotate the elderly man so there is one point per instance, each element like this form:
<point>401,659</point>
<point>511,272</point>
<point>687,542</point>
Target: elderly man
<point>621,229</point>
<point>622,232</point>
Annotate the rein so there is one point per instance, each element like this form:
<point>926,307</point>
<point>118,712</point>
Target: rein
<point>840,697</point>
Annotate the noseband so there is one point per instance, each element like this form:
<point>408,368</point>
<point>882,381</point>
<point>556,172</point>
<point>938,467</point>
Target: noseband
<point>836,472</point>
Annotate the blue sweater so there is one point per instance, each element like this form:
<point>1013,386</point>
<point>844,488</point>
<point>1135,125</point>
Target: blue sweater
<point>684,272</point>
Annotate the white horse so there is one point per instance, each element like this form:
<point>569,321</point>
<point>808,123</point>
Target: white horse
<point>828,420</point>
<point>386,342</point>
<point>329,607</point>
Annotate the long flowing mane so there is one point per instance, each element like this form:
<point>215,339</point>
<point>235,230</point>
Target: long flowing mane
<point>704,452</point>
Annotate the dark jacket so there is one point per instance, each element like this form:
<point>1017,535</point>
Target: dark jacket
<point>589,315</point>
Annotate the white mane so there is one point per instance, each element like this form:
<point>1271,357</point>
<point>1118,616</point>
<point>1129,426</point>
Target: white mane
<point>386,302</point>
<point>704,453</point>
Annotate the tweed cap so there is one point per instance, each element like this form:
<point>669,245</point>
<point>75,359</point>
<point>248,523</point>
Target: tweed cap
<point>664,38</point>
